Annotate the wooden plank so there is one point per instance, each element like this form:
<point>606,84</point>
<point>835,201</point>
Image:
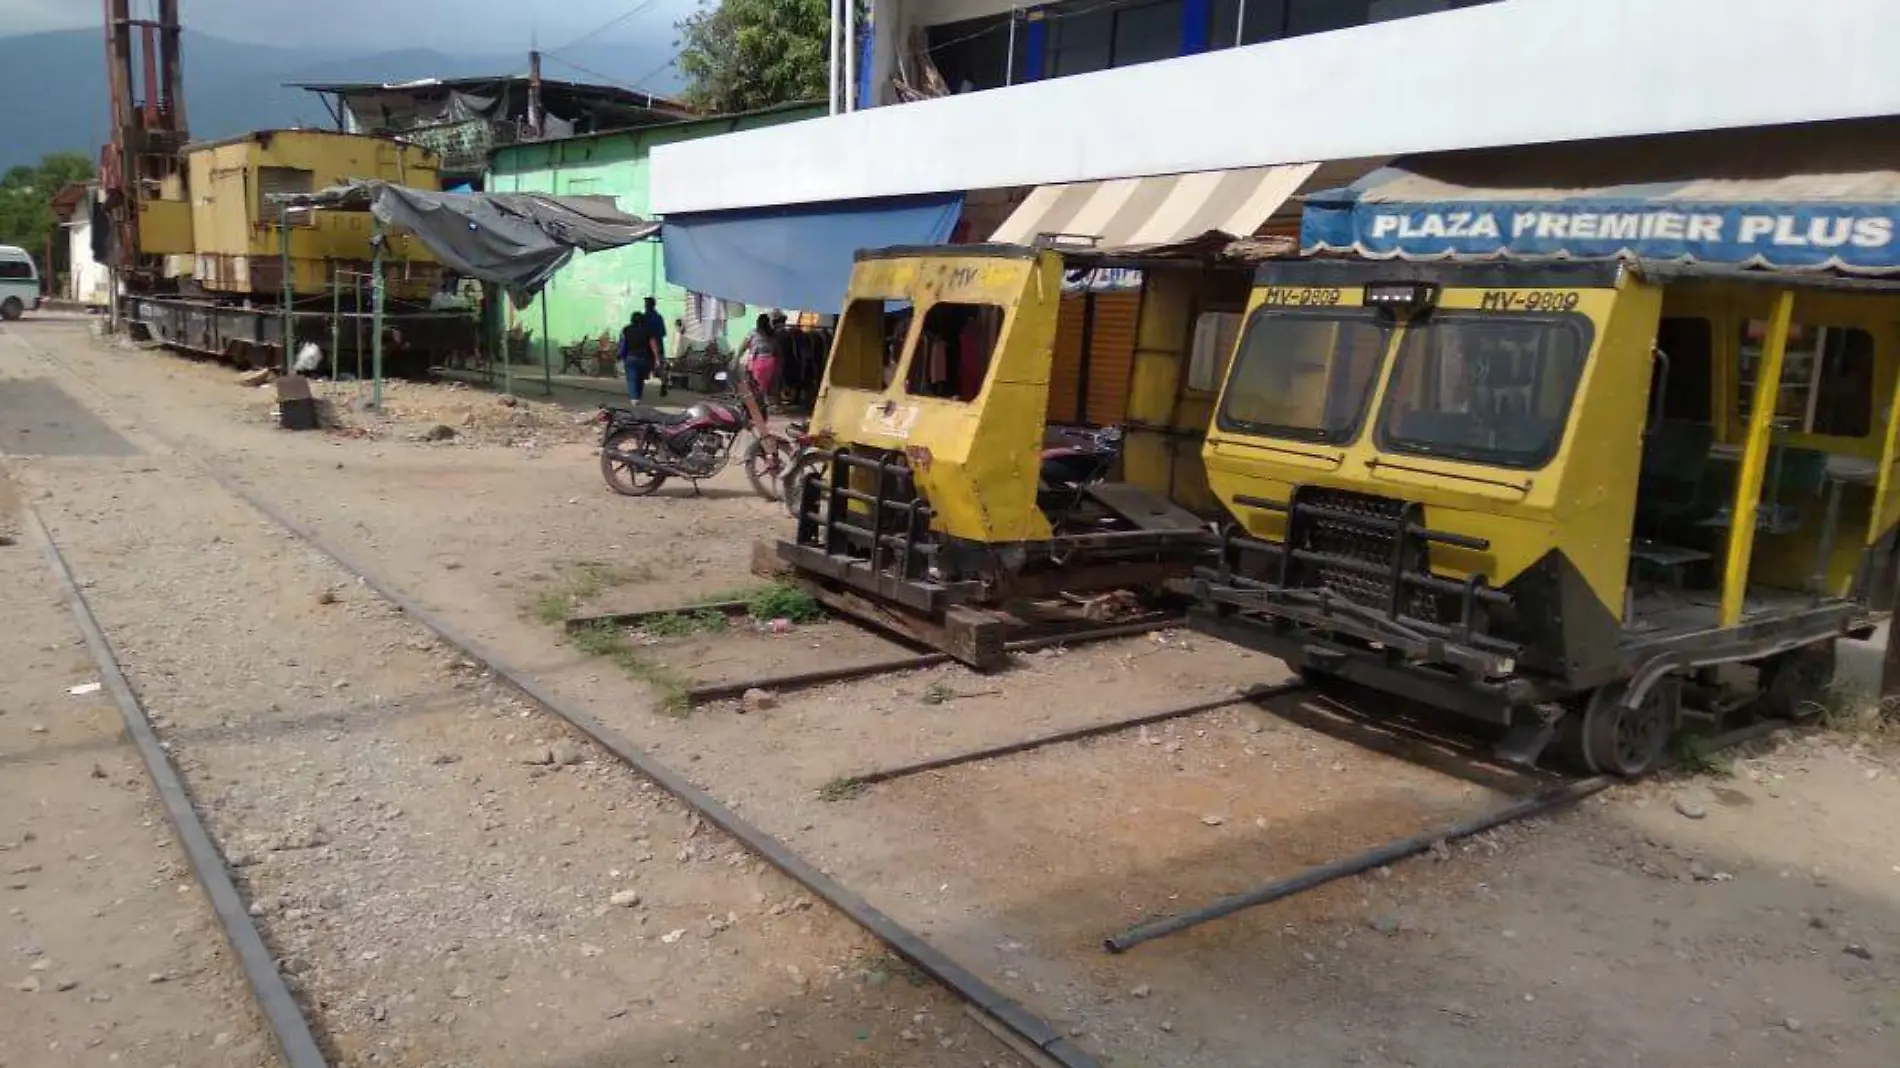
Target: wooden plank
<point>969,635</point>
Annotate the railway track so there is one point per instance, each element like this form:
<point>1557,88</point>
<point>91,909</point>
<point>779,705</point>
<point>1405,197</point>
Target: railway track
<point>1020,1028</point>
<point>1031,1035</point>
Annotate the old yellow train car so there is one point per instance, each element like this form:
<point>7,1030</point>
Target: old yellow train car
<point>955,378</point>
<point>237,245</point>
<point>1561,462</point>
<point>222,237</point>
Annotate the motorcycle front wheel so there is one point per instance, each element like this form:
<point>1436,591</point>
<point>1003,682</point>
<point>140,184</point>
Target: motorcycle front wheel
<point>617,467</point>
<point>803,466</point>
<point>766,461</point>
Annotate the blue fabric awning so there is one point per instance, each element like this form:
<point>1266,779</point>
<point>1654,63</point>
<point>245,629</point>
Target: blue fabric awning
<point>1827,199</point>
<point>800,256</point>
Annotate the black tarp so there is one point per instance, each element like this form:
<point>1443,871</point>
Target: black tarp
<point>515,240</point>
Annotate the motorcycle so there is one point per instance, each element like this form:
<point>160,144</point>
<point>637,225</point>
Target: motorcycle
<point>1068,470</point>
<point>641,448</point>
<point>804,463</point>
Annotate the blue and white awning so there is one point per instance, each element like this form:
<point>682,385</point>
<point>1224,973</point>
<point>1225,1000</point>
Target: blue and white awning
<point>1822,199</point>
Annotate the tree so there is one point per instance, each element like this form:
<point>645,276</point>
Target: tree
<point>740,55</point>
<point>26,214</point>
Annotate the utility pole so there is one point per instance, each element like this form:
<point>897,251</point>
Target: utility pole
<point>535,122</point>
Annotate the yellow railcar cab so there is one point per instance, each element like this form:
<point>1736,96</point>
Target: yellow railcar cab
<point>956,375</point>
<point>1555,497</point>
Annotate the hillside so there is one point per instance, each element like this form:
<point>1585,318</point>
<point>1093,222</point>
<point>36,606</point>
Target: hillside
<point>55,84</point>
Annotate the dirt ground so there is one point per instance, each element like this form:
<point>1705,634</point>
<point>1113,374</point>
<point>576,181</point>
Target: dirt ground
<point>1762,930</point>
<point>106,954</point>
<point>447,878</point>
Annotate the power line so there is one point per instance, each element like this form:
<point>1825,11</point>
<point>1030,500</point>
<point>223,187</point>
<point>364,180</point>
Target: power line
<point>604,27</point>
<point>609,79</point>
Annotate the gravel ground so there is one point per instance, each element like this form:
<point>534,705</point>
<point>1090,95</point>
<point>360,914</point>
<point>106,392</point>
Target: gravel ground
<point>1625,931</point>
<point>107,953</point>
<point>446,876</point>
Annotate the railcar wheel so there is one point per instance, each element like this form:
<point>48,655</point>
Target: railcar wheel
<point>1630,742</point>
<point>1794,685</point>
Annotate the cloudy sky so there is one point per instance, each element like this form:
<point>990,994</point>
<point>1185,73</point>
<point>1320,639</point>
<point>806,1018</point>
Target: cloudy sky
<point>385,25</point>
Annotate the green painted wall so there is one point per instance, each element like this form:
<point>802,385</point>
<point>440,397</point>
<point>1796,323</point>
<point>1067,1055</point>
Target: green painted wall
<point>595,294</point>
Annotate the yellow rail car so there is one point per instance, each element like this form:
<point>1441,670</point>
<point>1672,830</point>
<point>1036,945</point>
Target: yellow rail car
<point>225,253</point>
<point>1558,499</point>
<point>937,411</point>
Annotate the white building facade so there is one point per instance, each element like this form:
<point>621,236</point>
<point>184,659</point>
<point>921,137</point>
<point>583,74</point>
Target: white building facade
<point>985,100</point>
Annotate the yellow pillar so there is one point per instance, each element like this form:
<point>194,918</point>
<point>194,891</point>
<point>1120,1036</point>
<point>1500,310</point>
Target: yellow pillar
<point>1755,446</point>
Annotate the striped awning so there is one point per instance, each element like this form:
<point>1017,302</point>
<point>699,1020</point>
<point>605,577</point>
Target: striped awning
<point>1141,212</point>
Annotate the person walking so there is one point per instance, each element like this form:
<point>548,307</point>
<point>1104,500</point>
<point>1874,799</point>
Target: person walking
<point>656,327</point>
<point>639,353</point>
<point>760,358</point>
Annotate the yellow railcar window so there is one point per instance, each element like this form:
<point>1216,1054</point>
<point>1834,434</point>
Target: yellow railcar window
<point>955,350</point>
<point>1214,337</point>
<point>1827,379</point>
<point>1486,389</point>
<point>1304,377</point>
<point>867,344</point>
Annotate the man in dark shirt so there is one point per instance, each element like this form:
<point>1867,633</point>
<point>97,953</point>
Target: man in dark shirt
<point>656,327</point>
<point>639,352</point>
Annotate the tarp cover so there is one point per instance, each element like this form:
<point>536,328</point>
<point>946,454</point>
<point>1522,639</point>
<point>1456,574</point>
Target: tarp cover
<point>516,240</point>
<point>1819,198</point>
<point>797,257</point>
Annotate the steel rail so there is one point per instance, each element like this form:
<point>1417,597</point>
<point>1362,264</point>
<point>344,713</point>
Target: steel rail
<point>1072,734</point>
<point>805,680</point>
<point>286,1020</point>
<point>1557,797</point>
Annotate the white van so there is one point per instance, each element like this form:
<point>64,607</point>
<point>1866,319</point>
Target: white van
<point>19,283</point>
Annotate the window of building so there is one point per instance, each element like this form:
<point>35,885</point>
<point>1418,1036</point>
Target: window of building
<point>1318,16</point>
<point>1488,390</point>
<point>1271,20</point>
<point>1079,42</point>
<point>1827,378</point>
<point>973,53</point>
<point>1146,33</point>
<point>954,350</point>
<point>1093,37</point>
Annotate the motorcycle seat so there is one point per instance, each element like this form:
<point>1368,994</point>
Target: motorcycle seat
<point>643,414</point>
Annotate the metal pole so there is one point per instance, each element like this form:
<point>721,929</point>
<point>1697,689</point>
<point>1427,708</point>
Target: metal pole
<point>1009,64</point>
<point>547,342</point>
<point>1567,794</point>
<point>535,122</point>
<point>850,55</point>
<point>283,232</point>
<point>831,76</point>
<point>376,320</point>
<point>1240,24</point>
<point>336,321</point>
<point>356,284</point>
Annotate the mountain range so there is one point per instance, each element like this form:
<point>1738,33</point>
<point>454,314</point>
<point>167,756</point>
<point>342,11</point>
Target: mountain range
<point>55,84</point>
